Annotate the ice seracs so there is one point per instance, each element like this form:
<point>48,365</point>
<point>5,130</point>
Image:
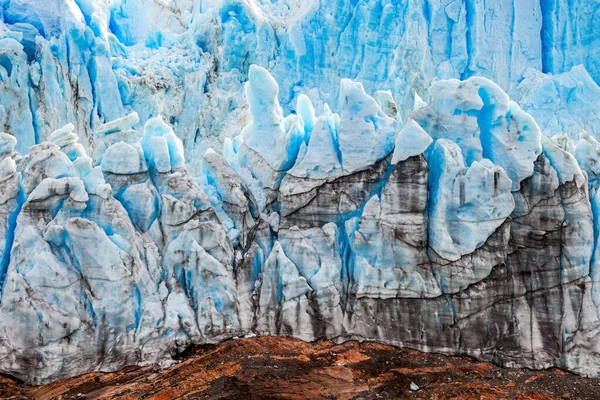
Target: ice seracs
<point>478,116</point>
<point>266,133</point>
<point>366,134</point>
<point>103,60</point>
<point>163,150</point>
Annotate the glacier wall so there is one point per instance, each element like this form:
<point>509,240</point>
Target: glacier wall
<point>464,230</point>
<point>177,173</point>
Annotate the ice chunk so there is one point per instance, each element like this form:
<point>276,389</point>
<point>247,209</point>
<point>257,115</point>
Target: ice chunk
<point>321,158</point>
<point>142,204</point>
<point>587,153</point>
<point>267,134</point>
<point>564,163</point>
<point>7,143</point>
<point>119,130</point>
<point>118,125</point>
<point>366,133</point>
<point>46,160</point>
<point>411,141</point>
<point>306,111</point>
<point>418,102</point>
<point>386,101</point>
<point>160,157</point>
<point>92,177</point>
<point>49,187</point>
<point>68,141</point>
<point>162,149</point>
<point>466,204</point>
<point>124,159</point>
<point>452,114</point>
<point>234,197</point>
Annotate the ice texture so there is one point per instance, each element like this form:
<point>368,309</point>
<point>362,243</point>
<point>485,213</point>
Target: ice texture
<point>467,205</point>
<point>479,116</point>
<point>563,103</point>
<point>411,141</point>
<point>184,172</point>
<point>189,61</point>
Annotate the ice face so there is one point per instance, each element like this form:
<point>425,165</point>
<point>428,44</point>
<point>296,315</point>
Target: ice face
<point>179,59</point>
<point>478,116</point>
<point>562,103</point>
<point>294,230</point>
<point>186,172</point>
<point>466,204</point>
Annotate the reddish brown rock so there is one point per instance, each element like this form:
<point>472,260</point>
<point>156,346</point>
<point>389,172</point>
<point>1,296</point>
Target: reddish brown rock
<point>281,368</point>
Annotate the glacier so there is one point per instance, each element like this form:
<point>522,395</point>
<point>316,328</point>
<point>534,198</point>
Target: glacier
<point>421,173</point>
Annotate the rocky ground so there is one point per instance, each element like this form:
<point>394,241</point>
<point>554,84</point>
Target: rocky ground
<point>280,368</point>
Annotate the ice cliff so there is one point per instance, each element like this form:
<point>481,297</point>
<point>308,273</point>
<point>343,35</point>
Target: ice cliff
<point>177,173</point>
